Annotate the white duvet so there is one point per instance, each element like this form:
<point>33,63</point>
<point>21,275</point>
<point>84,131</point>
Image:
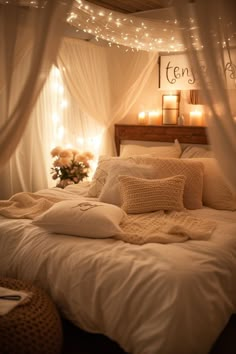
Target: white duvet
<point>151,299</point>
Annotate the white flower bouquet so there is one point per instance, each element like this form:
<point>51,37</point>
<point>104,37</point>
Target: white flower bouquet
<point>70,166</point>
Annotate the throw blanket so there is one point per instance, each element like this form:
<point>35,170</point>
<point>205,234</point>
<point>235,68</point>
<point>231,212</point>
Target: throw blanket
<point>157,227</point>
<point>26,205</point>
<point>165,227</point>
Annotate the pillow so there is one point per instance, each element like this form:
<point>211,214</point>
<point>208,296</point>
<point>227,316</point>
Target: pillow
<point>157,151</point>
<point>105,162</point>
<point>100,175</point>
<point>192,170</point>
<point>111,190</point>
<point>82,218</point>
<point>217,193</point>
<point>196,151</point>
<point>146,195</point>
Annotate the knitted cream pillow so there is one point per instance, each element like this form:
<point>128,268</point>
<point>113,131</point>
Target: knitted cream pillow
<point>111,190</point>
<point>146,195</point>
<point>191,169</point>
<point>105,162</point>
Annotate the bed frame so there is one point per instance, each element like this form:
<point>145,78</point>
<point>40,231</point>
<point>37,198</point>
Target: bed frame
<point>162,133</point>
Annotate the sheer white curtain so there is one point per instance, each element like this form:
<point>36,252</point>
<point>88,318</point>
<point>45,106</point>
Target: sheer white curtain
<point>104,81</point>
<point>213,25</point>
<point>29,40</point>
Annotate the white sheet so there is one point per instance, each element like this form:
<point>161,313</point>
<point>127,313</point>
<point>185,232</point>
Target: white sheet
<point>151,299</point>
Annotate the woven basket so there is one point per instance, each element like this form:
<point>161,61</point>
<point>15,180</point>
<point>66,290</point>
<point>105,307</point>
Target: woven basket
<point>32,328</point>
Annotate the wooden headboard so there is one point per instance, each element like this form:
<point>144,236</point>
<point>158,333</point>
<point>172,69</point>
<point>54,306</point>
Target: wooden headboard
<point>162,133</point>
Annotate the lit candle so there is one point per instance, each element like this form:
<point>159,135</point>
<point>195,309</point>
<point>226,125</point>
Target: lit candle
<point>170,101</point>
<point>154,117</point>
<point>142,117</point>
<point>195,118</point>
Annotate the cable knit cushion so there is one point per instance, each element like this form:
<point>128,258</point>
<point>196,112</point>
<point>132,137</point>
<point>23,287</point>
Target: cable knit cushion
<point>105,162</point>
<point>191,169</point>
<point>111,190</point>
<point>144,195</point>
<point>157,151</point>
<point>217,193</point>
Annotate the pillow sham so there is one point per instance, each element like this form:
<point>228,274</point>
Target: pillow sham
<point>146,195</point>
<point>111,190</point>
<point>83,218</point>
<point>191,169</point>
<point>101,173</point>
<point>157,151</point>
<point>196,151</point>
<point>217,193</point>
<point>105,162</point>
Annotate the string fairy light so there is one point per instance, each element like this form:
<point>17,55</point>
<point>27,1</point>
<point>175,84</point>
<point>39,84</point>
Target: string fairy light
<point>137,33</point>
<point>126,30</point>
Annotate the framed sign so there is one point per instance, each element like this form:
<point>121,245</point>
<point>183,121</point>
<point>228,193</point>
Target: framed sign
<point>176,73</point>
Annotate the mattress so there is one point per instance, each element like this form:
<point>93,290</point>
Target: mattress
<point>151,299</point>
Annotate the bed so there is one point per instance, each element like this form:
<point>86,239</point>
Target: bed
<point>168,292</point>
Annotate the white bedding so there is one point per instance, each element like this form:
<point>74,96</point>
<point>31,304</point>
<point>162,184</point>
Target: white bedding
<point>151,299</point>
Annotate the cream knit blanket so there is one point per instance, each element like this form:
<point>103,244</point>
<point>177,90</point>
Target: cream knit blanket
<point>164,227</point>
<point>157,227</point>
<point>26,205</point>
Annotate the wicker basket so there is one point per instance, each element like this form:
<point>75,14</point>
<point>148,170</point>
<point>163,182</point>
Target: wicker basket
<point>32,328</point>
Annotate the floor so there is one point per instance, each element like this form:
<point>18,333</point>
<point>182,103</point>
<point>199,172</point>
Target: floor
<point>77,341</point>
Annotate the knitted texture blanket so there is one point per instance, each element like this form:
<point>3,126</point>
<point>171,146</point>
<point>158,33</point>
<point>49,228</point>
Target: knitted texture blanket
<point>26,205</point>
<point>165,227</point>
<point>156,227</point>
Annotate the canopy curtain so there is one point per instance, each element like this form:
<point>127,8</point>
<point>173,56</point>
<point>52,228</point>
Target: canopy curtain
<point>28,36</point>
<point>102,83</point>
<point>214,27</point>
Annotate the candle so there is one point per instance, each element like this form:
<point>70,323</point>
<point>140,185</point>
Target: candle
<point>154,117</point>
<point>142,118</point>
<point>170,101</point>
<point>195,118</point>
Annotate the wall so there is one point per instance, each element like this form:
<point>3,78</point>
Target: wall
<point>151,100</point>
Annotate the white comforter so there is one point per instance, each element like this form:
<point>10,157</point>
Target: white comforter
<point>151,299</point>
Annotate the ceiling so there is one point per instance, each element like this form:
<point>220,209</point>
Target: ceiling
<point>132,6</point>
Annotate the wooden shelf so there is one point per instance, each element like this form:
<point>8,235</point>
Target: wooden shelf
<point>163,133</point>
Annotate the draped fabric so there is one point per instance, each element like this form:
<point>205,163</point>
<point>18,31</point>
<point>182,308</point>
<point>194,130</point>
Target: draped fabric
<point>214,27</point>
<point>105,82</point>
<point>101,83</point>
<point>29,40</point>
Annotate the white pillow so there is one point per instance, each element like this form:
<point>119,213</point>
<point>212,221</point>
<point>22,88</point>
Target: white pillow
<point>217,193</point>
<point>156,151</point>
<point>101,173</point>
<point>146,195</point>
<point>196,151</point>
<point>83,218</point>
<point>105,162</point>
<point>111,190</point>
